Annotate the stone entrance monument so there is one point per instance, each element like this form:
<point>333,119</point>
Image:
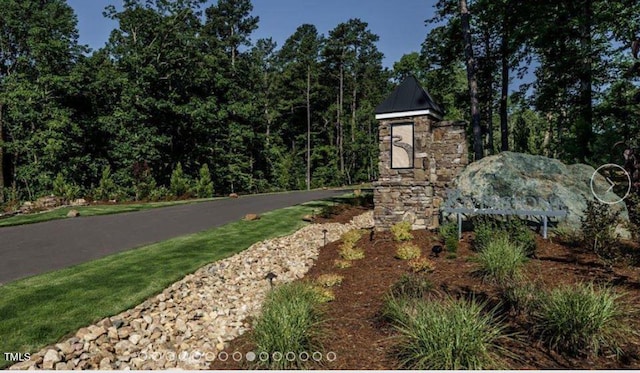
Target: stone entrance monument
<point>419,156</point>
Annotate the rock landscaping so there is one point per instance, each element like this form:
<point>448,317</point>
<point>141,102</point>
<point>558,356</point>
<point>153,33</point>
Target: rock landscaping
<point>191,321</point>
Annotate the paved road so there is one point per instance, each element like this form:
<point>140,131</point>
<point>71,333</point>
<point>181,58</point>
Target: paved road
<point>37,248</point>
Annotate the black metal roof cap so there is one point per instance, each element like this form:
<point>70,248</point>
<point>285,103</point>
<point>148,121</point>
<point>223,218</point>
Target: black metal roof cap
<point>409,96</point>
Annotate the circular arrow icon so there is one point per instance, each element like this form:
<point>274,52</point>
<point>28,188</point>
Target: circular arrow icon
<point>606,194</point>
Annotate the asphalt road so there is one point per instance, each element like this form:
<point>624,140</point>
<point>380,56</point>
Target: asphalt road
<point>33,249</point>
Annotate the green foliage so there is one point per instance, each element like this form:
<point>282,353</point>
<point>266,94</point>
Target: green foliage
<point>487,229</point>
<point>350,238</point>
<point>448,334</point>
<point>598,225</point>
<point>449,233</point>
<point>421,264</point>
<point>633,206</point>
<point>67,191</point>
<point>179,182</point>
<point>402,231</point>
<point>290,322</point>
<point>351,253</point>
<point>144,182</point>
<point>583,319</point>
<point>501,261</point>
<point>329,280</point>
<point>412,285</point>
<point>407,250</point>
<point>204,186</point>
<point>107,188</point>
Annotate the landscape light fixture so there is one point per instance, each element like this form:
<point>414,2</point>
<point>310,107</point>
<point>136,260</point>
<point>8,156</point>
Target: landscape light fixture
<point>270,276</point>
<point>324,232</point>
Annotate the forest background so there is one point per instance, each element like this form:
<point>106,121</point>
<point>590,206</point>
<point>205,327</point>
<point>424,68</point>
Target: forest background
<point>181,101</point>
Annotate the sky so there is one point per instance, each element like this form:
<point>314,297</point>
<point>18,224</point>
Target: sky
<point>400,24</point>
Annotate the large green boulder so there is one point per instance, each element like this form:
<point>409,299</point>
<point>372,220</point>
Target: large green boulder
<point>531,177</point>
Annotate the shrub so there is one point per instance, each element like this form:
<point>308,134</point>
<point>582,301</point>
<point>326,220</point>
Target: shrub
<point>107,188</point>
<point>408,251</point>
<point>633,206</point>
<point>179,184</point>
<point>351,253</point>
<point>411,286</point>
<point>582,319</point>
<point>598,225</point>
<point>67,191</point>
<point>520,295</point>
<point>159,194</point>
<point>204,186</point>
<point>329,279</point>
<point>501,261</point>
<point>449,233</point>
<point>290,322</point>
<point>342,264</point>
<point>421,264</point>
<point>452,334</point>
<point>351,237</point>
<point>324,294</point>
<point>402,231</point>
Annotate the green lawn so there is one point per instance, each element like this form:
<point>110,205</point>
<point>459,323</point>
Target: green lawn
<point>41,310</point>
<point>61,213</point>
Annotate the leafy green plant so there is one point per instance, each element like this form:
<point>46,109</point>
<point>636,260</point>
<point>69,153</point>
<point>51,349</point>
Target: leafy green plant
<point>107,188</point>
<point>407,251</point>
<point>520,295</point>
<point>402,231</point>
<point>583,319</point>
<point>411,286</point>
<point>350,238</point>
<point>501,261</point>
<point>449,233</point>
<point>204,186</point>
<point>179,184</point>
<point>144,183</point>
<point>598,225</point>
<point>290,322</point>
<point>450,334</point>
<point>633,206</point>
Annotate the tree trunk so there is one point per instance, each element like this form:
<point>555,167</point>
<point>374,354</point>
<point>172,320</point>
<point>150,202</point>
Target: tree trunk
<point>504,52</point>
<point>308,128</point>
<point>473,82</point>
<point>340,127</point>
<point>489,90</point>
<point>584,130</point>
<point>1,155</point>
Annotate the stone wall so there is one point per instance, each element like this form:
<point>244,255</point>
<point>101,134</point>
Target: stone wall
<point>415,195</point>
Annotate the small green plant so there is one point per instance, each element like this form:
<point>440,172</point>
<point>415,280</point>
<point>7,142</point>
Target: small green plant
<point>350,238</point>
<point>329,280</point>
<point>449,233</point>
<point>107,188</point>
<point>567,234</point>
<point>324,294</point>
<point>407,251</point>
<point>402,231</point>
<point>501,261</point>
<point>633,206</point>
<point>450,334</point>
<point>583,319</point>
<point>521,295</point>
<point>203,187</point>
<point>487,229</point>
<point>411,286</point>
<point>290,322</point>
<point>421,264</point>
<point>598,228</point>
<point>342,264</point>
<point>67,191</point>
<point>452,256</point>
<point>179,183</point>
<point>351,253</point>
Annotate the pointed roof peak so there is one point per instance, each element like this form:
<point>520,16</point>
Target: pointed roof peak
<point>408,99</point>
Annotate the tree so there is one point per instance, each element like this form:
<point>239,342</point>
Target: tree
<point>473,84</point>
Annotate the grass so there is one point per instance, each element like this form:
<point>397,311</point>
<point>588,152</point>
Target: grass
<point>583,319</point>
<point>290,323</point>
<point>411,286</point>
<point>445,335</point>
<point>501,261</point>
<point>421,264</point>
<point>41,310</point>
<point>61,213</point>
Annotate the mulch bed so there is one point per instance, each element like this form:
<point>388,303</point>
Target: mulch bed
<point>360,339</point>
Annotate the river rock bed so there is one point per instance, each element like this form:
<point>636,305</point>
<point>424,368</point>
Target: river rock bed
<point>191,321</point>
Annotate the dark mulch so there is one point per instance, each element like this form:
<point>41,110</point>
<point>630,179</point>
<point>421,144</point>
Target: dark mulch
<point>361,340</point>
